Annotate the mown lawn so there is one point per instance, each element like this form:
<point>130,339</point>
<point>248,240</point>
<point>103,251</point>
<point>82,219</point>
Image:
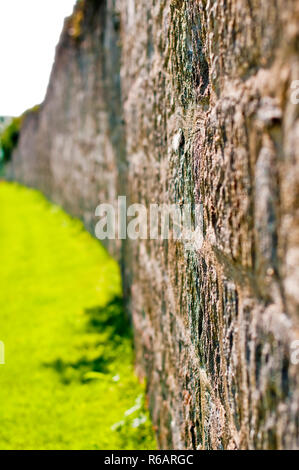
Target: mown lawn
<point>68,377</point>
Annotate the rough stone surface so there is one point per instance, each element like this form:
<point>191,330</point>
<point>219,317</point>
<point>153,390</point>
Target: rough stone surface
<point>176,101</point>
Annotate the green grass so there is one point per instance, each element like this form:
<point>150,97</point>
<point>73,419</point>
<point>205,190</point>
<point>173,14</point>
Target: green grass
<point>68,380</point>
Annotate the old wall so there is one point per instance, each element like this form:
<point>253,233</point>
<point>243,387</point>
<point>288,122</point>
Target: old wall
<point>189,102</point>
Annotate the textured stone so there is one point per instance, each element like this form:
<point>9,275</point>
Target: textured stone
<point>189,102</point>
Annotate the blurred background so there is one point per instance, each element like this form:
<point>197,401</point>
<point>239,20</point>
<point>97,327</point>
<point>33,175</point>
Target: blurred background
<point>29,33</point>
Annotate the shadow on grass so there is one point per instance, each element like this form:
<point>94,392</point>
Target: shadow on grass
<point>110,319</point>
<point>113,328</point>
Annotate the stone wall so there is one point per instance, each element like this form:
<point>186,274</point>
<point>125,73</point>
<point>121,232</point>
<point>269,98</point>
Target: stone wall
<point>177,101</point>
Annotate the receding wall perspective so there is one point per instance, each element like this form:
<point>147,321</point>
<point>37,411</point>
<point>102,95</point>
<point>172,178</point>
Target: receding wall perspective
<point>189,102</point>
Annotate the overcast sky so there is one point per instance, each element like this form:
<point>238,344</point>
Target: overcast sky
<point>29,32</point>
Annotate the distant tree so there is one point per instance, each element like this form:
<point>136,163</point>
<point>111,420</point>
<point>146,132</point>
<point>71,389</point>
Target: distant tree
<point>9,138</point>
<point>9,135</point>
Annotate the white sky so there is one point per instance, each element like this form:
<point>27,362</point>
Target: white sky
<point>29,32</point>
